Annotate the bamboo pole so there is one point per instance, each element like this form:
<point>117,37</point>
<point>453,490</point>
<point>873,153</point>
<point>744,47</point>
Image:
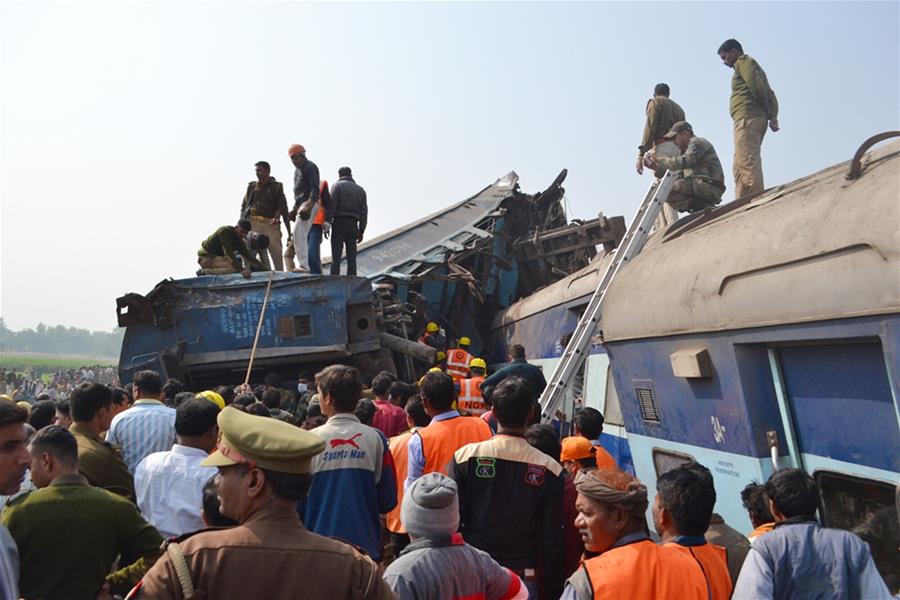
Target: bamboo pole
<point>262,314</point>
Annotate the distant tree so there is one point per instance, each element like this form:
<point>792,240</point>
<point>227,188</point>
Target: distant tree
<point>61,340</point>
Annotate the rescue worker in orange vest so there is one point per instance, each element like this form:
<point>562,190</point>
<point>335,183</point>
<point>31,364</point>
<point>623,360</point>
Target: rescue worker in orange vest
<point>458,360</point>
<point>684,502</point>
<point>625,563</point>
<point>433,337</point>
<point>431,448</point>
<point>471,401</point>
<point>416,418</point>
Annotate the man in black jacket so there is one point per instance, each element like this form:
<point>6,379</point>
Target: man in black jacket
<point>348,214</point>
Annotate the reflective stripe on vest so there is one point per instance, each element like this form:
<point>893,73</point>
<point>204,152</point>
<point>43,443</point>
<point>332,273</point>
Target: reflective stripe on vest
<point>647,571</point>
<point>470,398</point>
<point>458,363</point>
<point>442,438</point>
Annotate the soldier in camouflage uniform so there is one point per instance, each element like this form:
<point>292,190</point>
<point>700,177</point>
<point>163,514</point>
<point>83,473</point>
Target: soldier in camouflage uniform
<point>701,181</point>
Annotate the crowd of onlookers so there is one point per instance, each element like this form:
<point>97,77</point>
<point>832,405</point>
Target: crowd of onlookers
<point>33,384</point>
<point>435,503</point>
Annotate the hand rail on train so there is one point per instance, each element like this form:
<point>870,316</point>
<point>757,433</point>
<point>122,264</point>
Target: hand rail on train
<point>856,161</point>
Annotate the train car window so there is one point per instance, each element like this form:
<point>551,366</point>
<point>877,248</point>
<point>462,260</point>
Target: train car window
<point>666,460</point>
<point>612,411</point>
<point>868,509</point>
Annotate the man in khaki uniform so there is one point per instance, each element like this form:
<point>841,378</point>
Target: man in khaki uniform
<point>701,181</point>
<point>662,113</point>
<point>98,461</point>
<point>263,204</point>
<point>753,105</point>
<point>230,249</point>
<point>264,469</point>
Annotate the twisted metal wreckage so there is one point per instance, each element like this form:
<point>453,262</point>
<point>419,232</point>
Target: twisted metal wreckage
<point>458,267</point>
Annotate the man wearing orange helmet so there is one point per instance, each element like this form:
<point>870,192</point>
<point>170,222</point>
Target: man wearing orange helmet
<point>306,198</point>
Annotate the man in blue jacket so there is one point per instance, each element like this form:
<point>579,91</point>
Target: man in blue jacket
<point>800,558</point>
<point>354,481</point>
<point>519,367</point>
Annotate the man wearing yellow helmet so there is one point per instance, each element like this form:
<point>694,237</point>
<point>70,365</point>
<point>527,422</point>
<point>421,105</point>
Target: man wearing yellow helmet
<point>433,337</point>
<point>458,360</point>
<point>470,397</point>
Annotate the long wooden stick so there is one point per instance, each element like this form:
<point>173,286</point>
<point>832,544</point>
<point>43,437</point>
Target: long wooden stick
<point>262,314</point>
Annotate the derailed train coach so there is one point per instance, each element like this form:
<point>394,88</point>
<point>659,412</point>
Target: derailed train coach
<point>762,334</point>
<point>766,334</point>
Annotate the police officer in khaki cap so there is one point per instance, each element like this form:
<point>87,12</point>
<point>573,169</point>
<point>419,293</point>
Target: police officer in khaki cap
<point>264,469</point>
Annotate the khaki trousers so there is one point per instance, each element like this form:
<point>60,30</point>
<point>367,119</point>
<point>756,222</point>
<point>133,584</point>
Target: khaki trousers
<point>273,231</point>
<point>215,265</point>
<point>748,173</point>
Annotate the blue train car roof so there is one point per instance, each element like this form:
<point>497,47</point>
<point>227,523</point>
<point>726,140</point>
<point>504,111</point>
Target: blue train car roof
<point>821,247</point>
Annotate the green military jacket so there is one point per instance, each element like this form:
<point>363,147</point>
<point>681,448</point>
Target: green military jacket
<point>751,95</point>
<point>69,536</point>
<point>266,200</point>
<point>662,113</point>
<point>225,242</point>
<point>101,463</point>
<point>699,160</point>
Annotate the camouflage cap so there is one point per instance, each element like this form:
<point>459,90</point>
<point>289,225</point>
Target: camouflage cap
<point>678,128</point>
<point>263,442</point>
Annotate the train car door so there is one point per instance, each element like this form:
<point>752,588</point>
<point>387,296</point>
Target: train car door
<point>841,421</point>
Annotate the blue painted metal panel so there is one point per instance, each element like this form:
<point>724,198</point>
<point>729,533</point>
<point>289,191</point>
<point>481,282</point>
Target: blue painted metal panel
<point>197,317</point>
<point>842,404</point>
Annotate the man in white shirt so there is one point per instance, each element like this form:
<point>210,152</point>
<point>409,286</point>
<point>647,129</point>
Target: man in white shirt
<point>169,485</point>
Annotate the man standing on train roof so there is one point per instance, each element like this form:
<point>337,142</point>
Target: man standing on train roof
<point>802,559</point>
<point>753,105</point>
<point>263,204</point>
<point>264,469</point>
<point>662,113</point>
<point>306,196</point>
<point>222,251</point>
<point>348,213</point>
<point>458,359</point>
<point>701,181</point>
<point>519,367</point>
<point>682,509</point>
<point>471,399</point>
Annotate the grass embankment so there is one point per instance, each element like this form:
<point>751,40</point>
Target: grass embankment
<point>50,362</point>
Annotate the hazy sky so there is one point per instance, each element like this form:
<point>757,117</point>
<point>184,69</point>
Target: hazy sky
<point>129,131</point>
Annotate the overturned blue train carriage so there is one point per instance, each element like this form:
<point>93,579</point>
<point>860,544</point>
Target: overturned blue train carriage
<point>761,335</point>
<point>201,330</point>
<point>457,266</point>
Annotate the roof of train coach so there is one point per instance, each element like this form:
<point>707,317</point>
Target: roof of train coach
<point>821,247</point>
<point>579,284</point>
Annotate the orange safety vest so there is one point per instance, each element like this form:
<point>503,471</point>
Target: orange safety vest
<point>458,363</point>
<point>442,438</point>
<point>604,459</point>
<point>647,571</point>
<point>323,197</point>
<point>713,562</point>
<point>470,398</point>
<point>398,446</point>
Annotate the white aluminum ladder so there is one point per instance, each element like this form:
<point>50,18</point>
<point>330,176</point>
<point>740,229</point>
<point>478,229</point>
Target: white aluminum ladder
<point>579,345</point>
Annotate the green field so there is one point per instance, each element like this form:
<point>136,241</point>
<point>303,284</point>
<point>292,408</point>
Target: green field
<point>50,362</point>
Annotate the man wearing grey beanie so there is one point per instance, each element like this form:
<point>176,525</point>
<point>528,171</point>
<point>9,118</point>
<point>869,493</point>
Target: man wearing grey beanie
<point>438,563</point>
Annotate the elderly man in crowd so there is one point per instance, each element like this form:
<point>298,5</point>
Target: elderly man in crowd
<point>625,562</point>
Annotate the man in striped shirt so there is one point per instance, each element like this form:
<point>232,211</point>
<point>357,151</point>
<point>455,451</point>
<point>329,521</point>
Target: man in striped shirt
<point>148,426</point>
